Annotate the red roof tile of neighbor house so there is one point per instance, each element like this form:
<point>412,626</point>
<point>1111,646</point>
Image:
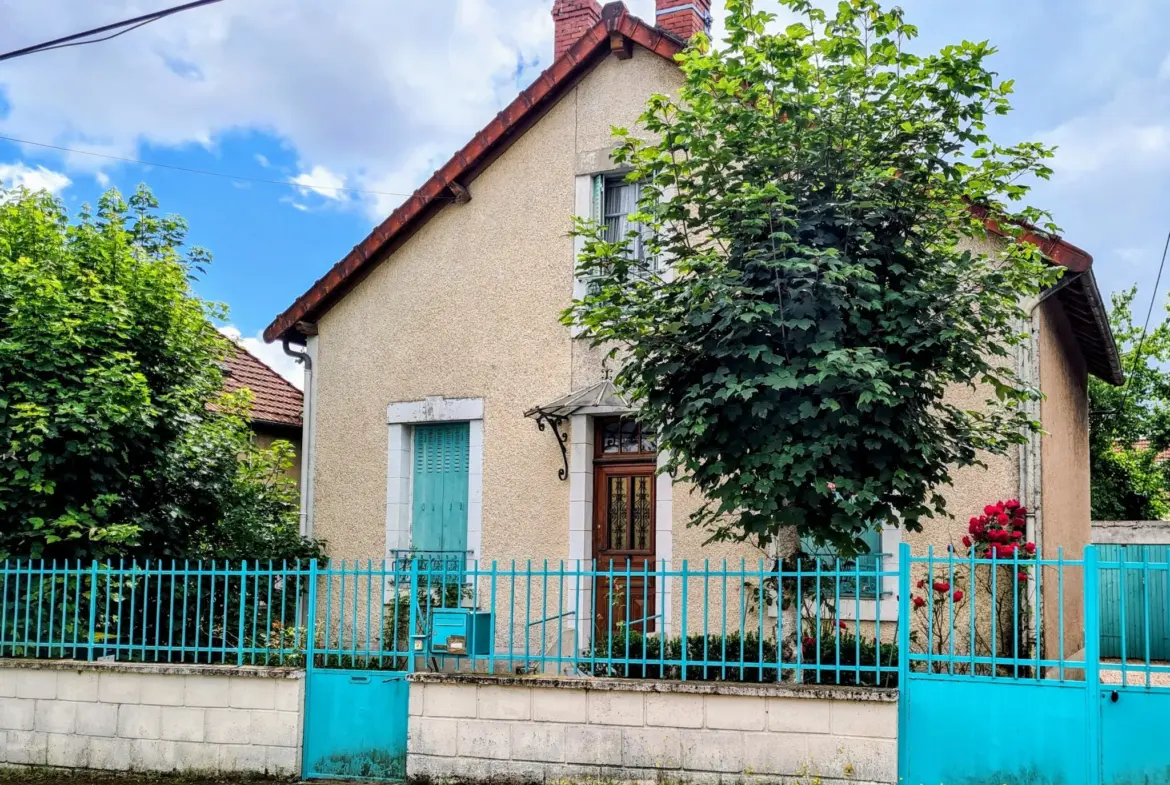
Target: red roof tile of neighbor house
<point>274,400</point>
<point>616,31</point>
<point>1144,444</point>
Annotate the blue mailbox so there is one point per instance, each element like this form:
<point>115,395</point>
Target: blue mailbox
<point>461,632</point>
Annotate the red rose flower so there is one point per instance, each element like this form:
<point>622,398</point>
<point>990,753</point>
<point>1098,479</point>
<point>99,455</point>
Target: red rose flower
<point>1030,547</point>
<point>1017,535</point>
<point>990,510</point>
<point>922,583</point>
<point>941,586</point>
<point>1022,511</point>
<point>1023,576</point>
<point>967,541</point>
<point>1002,518</point>
<point>958,595</point>
<point>919,602</point>
<point>810,641</point>
<point>842,625</point>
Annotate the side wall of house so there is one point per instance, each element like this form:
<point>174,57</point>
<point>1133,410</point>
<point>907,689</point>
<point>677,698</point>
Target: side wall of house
<point>1064,484</point>
<point>265,437</point>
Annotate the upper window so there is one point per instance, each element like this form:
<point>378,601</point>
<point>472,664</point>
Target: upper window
<point>621,437</point>
<point>614,201</point>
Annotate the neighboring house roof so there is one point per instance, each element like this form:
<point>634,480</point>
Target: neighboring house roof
<point>1144,444</point>
<point>616,32</point>
<point>274,400</point>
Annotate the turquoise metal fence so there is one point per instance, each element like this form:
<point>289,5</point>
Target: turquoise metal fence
<point>996,634</point>
<point>174,611</point>
<point>818,620</point>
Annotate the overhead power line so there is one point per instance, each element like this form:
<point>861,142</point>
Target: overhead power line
<point>226,176</point>
<point>1137,355</point>
<point>80,39</point>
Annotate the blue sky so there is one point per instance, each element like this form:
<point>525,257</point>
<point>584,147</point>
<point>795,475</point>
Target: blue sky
<point>373,95</point>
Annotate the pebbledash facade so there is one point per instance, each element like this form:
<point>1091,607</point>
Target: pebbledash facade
<point>435,353</point>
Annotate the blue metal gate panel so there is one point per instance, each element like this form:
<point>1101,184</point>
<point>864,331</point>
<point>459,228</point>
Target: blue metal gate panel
<point>1133,736</point>
<point>355,725</point>
<point>1027,733</point>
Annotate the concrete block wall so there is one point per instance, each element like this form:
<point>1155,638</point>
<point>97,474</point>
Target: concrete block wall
<point>126,717</point>
<point>537,730</point>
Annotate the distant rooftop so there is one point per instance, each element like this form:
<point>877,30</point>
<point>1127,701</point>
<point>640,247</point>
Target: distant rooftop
<point>274,400</point>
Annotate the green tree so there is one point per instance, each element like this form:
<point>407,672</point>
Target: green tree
<point>1128,484</point>
<point>113,441</point>
<point>810,194</point>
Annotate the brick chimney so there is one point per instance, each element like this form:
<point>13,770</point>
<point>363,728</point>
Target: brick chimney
<point>683,18</point>
<point>571,20</point>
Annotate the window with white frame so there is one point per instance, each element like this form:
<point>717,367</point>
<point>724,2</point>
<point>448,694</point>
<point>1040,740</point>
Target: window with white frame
<point>615,200</point>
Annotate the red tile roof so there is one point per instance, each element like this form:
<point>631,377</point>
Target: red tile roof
<point>616,28</point>
<point>1144,444</point>
<point>274,400</point>
<point>616,31</point>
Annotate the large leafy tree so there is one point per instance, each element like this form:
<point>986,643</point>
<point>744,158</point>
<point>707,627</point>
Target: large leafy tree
<point>113,435</point>
<point>818,198</point>
<point>1128,483</point>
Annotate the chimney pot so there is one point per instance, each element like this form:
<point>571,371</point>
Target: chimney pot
<point>683,18</point>
<point>571,20</point>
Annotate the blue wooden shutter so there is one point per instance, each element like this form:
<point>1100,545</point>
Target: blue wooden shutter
<point>869,562</point>
<point>439,510</point>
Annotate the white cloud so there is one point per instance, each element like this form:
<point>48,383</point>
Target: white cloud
<point>102,179</point>
<point>262,160</point>
<point>271,354</point>
<point>354,86</point>
<point>321,181</point>
<point>39,178</point>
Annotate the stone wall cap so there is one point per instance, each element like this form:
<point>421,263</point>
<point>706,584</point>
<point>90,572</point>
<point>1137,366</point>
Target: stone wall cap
<point>813,691</point>
<point>155,668</point>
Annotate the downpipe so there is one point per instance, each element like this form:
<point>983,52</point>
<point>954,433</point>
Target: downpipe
<point>306,518</point>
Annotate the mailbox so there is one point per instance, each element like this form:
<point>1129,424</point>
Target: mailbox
<point>461,632</point>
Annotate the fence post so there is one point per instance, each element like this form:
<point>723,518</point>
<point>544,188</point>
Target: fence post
<point>311,620</point>
<point>412,628</point>
<point>904,621</point>
<point>1092,662</point>
<point>243,605</point>
<point>93,582</point>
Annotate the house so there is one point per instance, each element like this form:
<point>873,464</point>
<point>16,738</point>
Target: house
<point>451,410</point>
<point>276,404</point>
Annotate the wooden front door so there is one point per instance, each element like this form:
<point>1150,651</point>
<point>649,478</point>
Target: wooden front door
<point>623,526</point>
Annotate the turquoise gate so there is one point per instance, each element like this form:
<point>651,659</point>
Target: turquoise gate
<point>356,695</point>
<point>1005,681</point>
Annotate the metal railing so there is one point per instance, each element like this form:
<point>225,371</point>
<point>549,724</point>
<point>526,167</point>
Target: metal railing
<point>1038,619</point>
<point>816,622</point>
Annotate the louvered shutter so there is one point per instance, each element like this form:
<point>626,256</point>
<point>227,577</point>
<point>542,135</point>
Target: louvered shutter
<point>439,509</point>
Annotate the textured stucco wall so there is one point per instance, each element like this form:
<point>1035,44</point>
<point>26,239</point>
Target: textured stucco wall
<point>469,307</point>
<point>571,730</point>
<point>1064,467</point>
<point>150,718</point>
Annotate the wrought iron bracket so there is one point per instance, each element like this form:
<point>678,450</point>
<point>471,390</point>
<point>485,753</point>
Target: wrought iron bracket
<point>561,436</point>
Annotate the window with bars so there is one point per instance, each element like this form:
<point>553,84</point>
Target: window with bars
<point>614,201</point>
